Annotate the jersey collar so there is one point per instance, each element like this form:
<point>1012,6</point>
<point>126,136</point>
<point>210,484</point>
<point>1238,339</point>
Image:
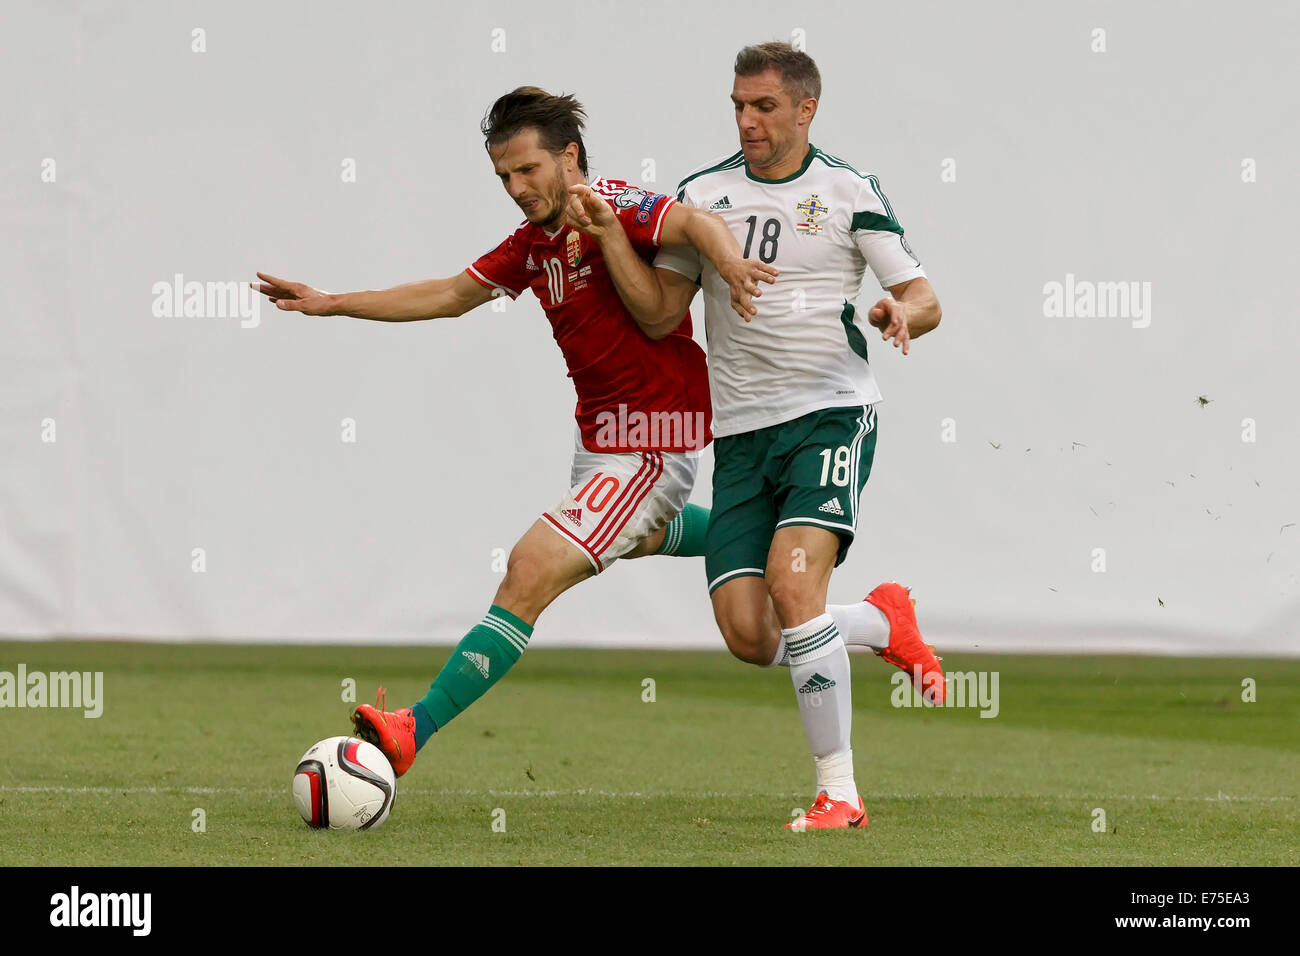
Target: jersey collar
<point>807,161</point>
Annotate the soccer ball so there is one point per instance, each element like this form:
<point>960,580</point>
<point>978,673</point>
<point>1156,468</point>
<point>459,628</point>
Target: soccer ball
<point>344,783</point>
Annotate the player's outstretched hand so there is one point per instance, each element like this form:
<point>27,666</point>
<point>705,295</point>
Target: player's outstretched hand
<point>294,296</point>
<point>743,277</point>
<point>890,316</point>
<point>588,213</point>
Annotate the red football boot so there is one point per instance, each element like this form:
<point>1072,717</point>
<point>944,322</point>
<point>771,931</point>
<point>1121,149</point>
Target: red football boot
<point>906,648</point>
<point>393,733</point>
<point>828,814</point>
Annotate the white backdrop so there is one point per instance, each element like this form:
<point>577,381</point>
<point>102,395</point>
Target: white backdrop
<point>1018,146</point>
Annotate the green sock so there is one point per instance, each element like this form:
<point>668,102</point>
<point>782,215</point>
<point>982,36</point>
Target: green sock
<point>685,534</point>
<point>480,660</point>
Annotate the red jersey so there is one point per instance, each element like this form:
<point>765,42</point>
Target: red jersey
<point>634,393</point>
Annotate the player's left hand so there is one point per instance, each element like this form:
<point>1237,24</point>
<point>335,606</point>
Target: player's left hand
<point>588,213</point>
<point>891,316</point>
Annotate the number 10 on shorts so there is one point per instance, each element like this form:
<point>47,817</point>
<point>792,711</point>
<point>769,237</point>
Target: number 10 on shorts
<point>839,471</point>
<point>601,492</point>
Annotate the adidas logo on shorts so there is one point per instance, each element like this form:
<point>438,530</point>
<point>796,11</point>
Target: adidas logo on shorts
<point>832,507</point>
<point>480,661</point>
<point>574,515</point>
<point>723,203</point>
<point>815,684</point>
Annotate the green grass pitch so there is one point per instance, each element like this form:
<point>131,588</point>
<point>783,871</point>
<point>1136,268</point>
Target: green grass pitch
<point>587,772</point>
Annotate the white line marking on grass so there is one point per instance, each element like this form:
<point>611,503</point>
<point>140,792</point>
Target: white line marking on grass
<point>654,794</point>
<point>135,790</point>
<point>718,795</point>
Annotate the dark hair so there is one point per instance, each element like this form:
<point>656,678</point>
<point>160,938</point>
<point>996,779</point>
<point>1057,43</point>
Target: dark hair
<point>558,120</point>
<point>799,74</point>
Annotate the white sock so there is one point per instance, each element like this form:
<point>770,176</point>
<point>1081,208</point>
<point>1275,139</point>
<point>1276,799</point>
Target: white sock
<point>819,670</point>
<point>782,658</point>
<point>835,776</point>
<point>861,625</point>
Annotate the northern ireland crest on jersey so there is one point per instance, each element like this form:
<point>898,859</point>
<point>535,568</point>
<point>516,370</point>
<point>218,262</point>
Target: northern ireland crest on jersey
<point>812,209</point>
<point>573,248</point>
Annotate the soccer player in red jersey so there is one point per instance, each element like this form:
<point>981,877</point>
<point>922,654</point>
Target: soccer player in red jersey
<point>643,409</point>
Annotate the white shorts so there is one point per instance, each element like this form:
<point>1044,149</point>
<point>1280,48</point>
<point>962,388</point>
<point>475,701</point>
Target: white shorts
<point>620,498</point>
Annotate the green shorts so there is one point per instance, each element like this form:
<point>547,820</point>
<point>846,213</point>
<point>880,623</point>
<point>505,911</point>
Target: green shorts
<point>808,471</point>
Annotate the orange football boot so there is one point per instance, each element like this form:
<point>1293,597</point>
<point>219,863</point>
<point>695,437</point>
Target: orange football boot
<point>906,648</point>
<point>393,733</point>
<point>828,814</point>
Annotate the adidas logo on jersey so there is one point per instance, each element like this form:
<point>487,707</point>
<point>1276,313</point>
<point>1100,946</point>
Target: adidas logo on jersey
<point>481,662</point>
<point>723,203</point>
<point>832,507</point>
<point>574,515</point>
<point>816,684</point>
<point>530,264</point>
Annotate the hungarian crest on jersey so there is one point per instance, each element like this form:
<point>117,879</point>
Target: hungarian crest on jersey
<point>812,209</point>
<point>573,248</point>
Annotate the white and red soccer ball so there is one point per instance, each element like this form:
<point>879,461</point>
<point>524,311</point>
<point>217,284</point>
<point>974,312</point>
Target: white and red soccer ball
<point>344,783</point>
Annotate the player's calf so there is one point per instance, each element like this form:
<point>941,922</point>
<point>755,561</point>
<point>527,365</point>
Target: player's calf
<point>747,621</point>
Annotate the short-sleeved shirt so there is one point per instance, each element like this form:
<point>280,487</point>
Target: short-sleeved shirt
<point>634,393</point>
<point>805,350</point>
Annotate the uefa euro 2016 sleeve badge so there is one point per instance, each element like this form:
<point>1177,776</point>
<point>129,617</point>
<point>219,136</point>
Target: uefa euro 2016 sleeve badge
<point>811,209</point>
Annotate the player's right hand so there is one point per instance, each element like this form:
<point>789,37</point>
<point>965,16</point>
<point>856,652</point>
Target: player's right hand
<point>891,317</point>
<point>742,277</point>
<point>294,296</point>
<point>589,213</point>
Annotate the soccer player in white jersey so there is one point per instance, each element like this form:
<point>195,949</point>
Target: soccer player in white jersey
<point>794,401</point>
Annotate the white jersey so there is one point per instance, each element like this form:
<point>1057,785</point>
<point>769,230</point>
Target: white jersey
<point>806,349</point>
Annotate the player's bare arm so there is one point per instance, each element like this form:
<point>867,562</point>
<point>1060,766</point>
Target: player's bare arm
<point>635,282</point>
<point>912,311</point>
<point>641,287</point>
<point>427,299</point>
<point>684,225</point>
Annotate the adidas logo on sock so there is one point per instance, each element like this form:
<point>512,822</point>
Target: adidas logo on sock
<point>480,661</point>
<point>815,684</point>
<point>574,515</point>
<point>832,507</point>
<point>723,203</point>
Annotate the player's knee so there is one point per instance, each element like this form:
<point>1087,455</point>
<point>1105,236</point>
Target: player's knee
<point>527,579</point>
<point>791,596</point>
